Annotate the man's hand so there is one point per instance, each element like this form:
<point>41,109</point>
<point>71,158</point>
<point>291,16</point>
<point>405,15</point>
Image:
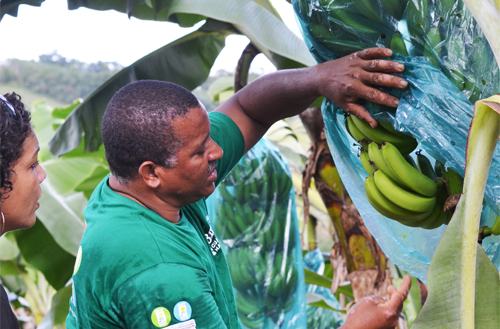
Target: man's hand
<point>285,93</point>
<point>375,312</point>
<point>352,78</point>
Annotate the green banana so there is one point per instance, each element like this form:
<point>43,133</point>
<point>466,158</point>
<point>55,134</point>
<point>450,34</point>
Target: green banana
<point>438,216</point>
<point>439,168</point>
<point>379,135</point>
<point>351,22</point>
<point>388,208</point>
<point>387,126</point>
<point>366,163</point>
<point>454,180</point>
<point>355,133</point>
<point>403,198</point>
<point>425,166</point>
<point>377,157</point>
<point>418,21</point>
<point>411,177</point>
<point>397,44</point>
<point>445,9</point>
<point>371,10</point>
<point>341,47</point>
<point>231,230</point>
<point>411,161</point>
<point>395,8</point>
<point>433,47</point>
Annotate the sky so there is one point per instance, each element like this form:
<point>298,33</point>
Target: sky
<point>109,36</point>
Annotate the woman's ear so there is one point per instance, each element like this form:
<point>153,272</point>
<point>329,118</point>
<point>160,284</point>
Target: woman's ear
<point>150,174</point>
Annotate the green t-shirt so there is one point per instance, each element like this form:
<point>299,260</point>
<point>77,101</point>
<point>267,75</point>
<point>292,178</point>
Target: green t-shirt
<point>135,269</point>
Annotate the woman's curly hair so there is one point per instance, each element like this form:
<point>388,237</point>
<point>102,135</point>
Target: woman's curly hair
<point>14,129</point>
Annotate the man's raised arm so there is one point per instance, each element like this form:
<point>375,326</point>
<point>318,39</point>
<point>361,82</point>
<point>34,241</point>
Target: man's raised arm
<point>285,93</point>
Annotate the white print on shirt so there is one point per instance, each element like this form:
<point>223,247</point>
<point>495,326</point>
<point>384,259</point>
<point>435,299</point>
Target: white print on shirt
<point>212,240</point>
<point>191,324</point>
<point>161,318</point>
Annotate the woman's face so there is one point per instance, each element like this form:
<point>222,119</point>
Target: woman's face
<point>19,205</point>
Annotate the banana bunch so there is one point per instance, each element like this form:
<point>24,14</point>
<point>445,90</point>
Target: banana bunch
<point>364,134</point>
<point>253,220</point>
<point>403,190</point>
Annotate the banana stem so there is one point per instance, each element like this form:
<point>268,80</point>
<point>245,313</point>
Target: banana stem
<point>312,240</point>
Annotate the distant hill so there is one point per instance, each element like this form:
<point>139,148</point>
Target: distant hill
<point>28,96</point>
<point>55,77</point>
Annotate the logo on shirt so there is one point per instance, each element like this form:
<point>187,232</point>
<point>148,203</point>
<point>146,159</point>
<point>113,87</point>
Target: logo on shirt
<point>212,240</point>
<point>182,311</point>
<point>78,260</point>
<point>160,317</point>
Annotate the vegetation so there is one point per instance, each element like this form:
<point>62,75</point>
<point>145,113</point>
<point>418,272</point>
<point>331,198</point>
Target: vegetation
<point>56,76</point>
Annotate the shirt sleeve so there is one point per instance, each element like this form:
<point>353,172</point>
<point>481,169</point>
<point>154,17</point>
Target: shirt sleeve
<point>229,137</point>
<point>165,295</point>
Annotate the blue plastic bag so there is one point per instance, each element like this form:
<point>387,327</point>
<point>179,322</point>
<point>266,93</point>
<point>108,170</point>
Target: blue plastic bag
<point>255,217</point>
<point>318,317</point>
<point>436,109</point>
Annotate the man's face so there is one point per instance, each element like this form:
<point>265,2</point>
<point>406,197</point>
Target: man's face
<point>194,174</point>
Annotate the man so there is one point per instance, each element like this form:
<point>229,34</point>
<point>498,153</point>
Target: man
<point>148,257</point>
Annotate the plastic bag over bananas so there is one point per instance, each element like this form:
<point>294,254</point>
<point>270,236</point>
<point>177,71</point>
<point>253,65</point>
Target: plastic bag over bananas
<point>449,65</point>
<point>255,217</point>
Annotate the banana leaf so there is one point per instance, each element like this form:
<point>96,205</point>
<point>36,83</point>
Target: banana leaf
<point>257,19</point>
<point>60,220</point>
<point>8,247</point>
<point>58,310</point>
<point>320,301</point>
<point>11,7</point>
<point>464,285</point>
<point>186,61</point>
<point>41,251</point>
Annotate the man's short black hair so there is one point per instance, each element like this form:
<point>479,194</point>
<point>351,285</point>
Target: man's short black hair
<point>137,126</point>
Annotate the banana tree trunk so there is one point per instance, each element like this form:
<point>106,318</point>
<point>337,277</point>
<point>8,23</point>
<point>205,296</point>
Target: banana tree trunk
<point>355,255</point>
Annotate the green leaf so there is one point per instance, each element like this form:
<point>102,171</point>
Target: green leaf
<point>464,286</point>
<point>9,267</point>
<point>186,61</point>
<point>41,251</point>
<point>11,7</point>
<point>8,247</point>
<point>312,277</point>
<point>63,224</point>
<point>266,31</point>
<point>320,301</point>
<point>67,174</point>
<point>58,310</point>
<point>258,20</point>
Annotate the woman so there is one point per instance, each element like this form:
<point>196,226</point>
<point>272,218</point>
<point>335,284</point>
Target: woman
<point>20,178</point>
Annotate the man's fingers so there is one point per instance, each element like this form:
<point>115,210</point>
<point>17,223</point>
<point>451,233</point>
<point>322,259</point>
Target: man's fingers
<point>372,53</point>
<point>381,65</point>
<point>384,80</point>
<point>376,96</point>
<point>398,297</point>
<point>360,112</point>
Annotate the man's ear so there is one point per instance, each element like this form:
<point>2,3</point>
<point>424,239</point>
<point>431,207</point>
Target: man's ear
<point>150,173</point>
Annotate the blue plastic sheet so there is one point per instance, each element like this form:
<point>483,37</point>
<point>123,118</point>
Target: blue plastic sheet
<point>255,217</point>
<point>436,109</point>
<point>318,317</point>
